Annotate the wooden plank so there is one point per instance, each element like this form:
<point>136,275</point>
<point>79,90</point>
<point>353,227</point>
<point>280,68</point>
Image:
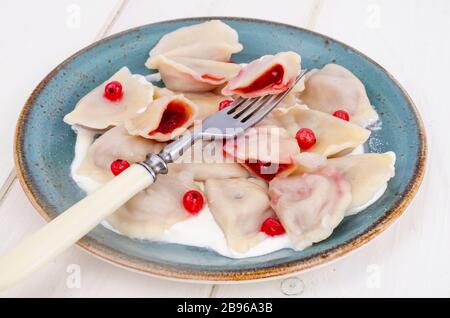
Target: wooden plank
<point>58,279</point>
<point>75,273</point>
<point>140,12</point>
<point>410,258</point>
<point>37,39</point>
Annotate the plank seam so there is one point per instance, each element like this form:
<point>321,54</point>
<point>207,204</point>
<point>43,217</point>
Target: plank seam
<point>7,185</point>
<point>314,14</point>
<point>111,20</point>
<point>212,291</point>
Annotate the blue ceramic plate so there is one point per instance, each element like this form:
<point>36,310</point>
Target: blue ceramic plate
<point>45,149</point>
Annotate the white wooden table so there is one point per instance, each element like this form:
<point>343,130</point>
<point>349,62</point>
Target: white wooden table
<point>408,37</point>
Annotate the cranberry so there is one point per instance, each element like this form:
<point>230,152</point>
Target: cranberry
<point>119,165</point>
<point>342,114</point>
<point>113,91</point>
<point>225,103</point>
<point>305,138</point>
<point>272,227</point>
<point>193,201</point>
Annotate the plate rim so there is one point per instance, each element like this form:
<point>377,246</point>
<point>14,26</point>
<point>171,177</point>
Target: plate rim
<point>174,273</point>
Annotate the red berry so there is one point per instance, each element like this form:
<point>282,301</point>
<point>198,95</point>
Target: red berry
<point>193,201</point>
<point>272,227</point>
<point>342,114</point>
<point>113,91</point>
<point>305,138</point>
<point>119,165</point>
<point>225,103</point>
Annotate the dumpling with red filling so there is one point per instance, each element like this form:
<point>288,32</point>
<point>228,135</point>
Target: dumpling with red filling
<point>270,74</point>
<point>96,111</point>
<point>207,103</point>
<point>239,207</point>
<point>196,58</point>
<point>335,88</point>
<point>115,144</point>
<point>164,119</point>
<point>187,74</point>
<point>333,135</point>
<point>310,205</point>
<point>265,151</point>
<point>155,209</point>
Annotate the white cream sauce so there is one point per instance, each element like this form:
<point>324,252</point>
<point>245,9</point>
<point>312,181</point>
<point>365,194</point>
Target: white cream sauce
<point>201,230</point>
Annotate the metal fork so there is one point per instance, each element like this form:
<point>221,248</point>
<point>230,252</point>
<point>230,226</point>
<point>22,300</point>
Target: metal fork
<point>229,122</point>
<point>63,231</point>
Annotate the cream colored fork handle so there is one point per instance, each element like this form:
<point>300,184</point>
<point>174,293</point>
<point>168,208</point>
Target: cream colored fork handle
<point>52,239</point>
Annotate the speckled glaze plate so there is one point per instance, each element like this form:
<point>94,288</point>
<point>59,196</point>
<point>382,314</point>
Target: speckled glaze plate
<point>45,148</point>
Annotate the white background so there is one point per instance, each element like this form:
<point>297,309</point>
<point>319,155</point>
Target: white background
<point>408,37</point>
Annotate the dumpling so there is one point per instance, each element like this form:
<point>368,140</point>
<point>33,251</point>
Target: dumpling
<point>196,58</point>
<point>265,151</point>
<point>115,144</point>
<point>187,74</point>
<point>207,103</point>
<point>270,74</point>
<point>310,205</point>
<point>206,160</point>
<point>272,118</point>
<point>267,144</point>
<point>98,112</point>
<point>366,173</point>
<point>213,40</point>
<point>164,119</point>
<point>156,208</point>
<point>333,88</point>
<point>239,207</point>
<point>333,135</point>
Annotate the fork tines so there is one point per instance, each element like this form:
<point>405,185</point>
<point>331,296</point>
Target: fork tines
<point>256,108</point>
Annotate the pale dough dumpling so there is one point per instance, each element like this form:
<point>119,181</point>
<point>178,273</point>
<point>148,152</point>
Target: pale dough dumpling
<point>265,151</point>
<point>207,103</point>
<point>270,74</point>
<point>310,205</point>
<point>333,135</point>
<point>115,144</point>
<point>213,40</point>
<point>187,74</point>
<point>196,58</point>
<point>164,119</point>
<point>155,209</point>
<point>266,144</point>
<point>366,173</point>
<point>97,112</point>
<point>333,88</point>
<point>240,207</point>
